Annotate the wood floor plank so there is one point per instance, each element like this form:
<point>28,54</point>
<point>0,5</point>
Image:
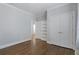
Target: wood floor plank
<point>41,48</point>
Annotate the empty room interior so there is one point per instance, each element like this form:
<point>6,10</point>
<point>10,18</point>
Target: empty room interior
<point>39,29</point>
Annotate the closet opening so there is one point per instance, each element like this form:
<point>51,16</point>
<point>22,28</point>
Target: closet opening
<point>34,27</point>
<point>34,36</point>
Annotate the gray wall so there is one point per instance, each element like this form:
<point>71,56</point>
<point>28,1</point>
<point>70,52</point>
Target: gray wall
<point>77,41</point>
<point>15,25</point>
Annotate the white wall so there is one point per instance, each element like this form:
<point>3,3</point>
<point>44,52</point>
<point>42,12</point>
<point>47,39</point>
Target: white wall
<point>36,8</point>
<point>77,41</point>
<point>15,25</point>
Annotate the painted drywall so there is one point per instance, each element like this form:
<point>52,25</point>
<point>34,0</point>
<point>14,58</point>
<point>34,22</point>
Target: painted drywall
<point>15,25</point>
<point>37,9</point>
<point>77,41</point>
<point>58,21</point>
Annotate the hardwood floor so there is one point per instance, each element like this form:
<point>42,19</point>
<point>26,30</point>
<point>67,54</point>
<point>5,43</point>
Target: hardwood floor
<point>21,48</point>
<point>41,48</point>
<point>57,50</point>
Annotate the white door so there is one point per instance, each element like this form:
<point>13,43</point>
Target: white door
<point>60,29</point>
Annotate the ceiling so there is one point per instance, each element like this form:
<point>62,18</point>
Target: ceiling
<point>37,9</point>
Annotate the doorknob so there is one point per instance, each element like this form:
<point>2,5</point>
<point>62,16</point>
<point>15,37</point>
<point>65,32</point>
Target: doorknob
<point>60,32</point>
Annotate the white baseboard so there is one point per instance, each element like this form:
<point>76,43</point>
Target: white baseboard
<point>77,52</point>
<point>49,42</point>
<point>14,43</point>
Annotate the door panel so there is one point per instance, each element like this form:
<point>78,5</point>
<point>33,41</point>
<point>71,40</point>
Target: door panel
<point>60,29</point>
